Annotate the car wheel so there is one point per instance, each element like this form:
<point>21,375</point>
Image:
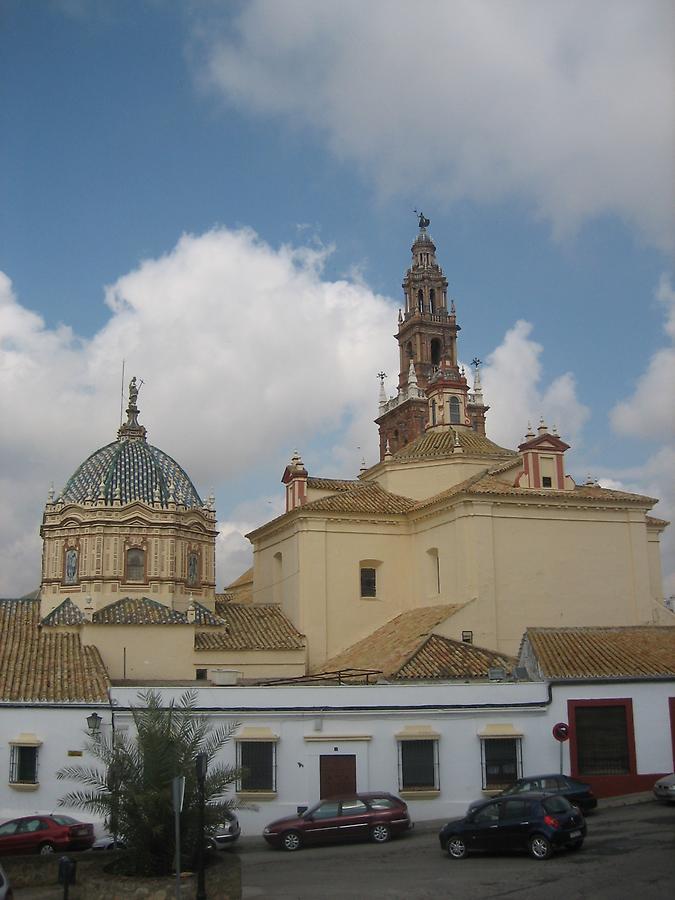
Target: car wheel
<point>291,841</point>
<point>540,847</point>
<point>575,845</point>
<point>380,834</point>
<point>46,849</point>
<point>456,848</point>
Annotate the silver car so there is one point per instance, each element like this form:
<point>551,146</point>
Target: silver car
<point>664,789</point>
<point>225,834</point>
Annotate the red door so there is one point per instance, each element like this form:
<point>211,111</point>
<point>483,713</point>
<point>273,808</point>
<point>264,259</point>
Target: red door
<point>337,775</point>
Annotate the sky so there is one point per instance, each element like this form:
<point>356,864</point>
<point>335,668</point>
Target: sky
<point>221,195</point>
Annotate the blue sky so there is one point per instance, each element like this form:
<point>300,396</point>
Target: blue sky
<point>222,194</point>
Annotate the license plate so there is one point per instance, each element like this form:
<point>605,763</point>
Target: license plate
<point>575,834</point>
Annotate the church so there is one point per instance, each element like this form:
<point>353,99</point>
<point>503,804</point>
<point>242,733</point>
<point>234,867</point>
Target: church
<point>418,628</point>
<point>448,536</point>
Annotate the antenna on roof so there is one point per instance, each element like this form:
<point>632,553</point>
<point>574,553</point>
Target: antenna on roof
<point>122,395</point>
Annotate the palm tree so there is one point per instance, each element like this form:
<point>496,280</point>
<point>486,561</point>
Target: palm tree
<point>132,789</point>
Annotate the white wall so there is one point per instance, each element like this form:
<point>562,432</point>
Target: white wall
<point>360,720</point>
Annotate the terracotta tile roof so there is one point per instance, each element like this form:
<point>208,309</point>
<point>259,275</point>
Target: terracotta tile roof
<point>331,484</point>
<point>204,616</point>
<point>66,613</point>
<point>441,443</point>
<point>40,665</point>
<point>391,645</point>
<point>364,497</point>
<point>251,627</point>
<point>245,578</point>
<point>628,652</point>
<point>138,611</point>
<point>488,483</point>
<point>441,658</point>
<point>656,523</point>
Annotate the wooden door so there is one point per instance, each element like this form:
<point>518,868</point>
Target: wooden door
<point>337,775</point>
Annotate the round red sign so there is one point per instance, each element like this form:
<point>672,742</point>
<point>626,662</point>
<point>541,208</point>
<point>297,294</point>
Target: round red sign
<point>561,731</point>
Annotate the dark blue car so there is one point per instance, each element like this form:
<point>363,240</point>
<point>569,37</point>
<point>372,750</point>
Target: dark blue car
<point>536,822</point>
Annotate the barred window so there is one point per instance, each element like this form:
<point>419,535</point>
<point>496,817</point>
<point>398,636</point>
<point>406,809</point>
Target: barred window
<point>257,761</point>
<point>602,740</point>
<point>368,582</point>
<point>501,760</point>
<point>418,765</point>
<point>23,765</point>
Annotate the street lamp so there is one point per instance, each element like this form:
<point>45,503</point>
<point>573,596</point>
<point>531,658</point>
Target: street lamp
<point>201,764</point>
<point>94,723</point>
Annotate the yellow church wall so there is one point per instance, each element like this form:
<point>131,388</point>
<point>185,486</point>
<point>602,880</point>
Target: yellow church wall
<point>144,651</point>
<point>423,479</point>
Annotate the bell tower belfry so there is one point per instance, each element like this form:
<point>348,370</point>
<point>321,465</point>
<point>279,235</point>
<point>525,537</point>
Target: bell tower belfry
<point>427,340</point>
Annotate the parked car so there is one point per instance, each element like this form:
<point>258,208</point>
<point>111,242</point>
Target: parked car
<point>45,834</point>
<point>536,822</point>
<point>108,842</point>
<point>664,788</point>
<point>6,892</point>
<point>225,834</point>
<point>375,816</point>
<point>578,793</point>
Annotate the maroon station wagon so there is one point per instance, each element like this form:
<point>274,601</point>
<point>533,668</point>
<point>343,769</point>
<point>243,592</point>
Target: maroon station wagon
<point>374,816</point>
<point>44,834</point>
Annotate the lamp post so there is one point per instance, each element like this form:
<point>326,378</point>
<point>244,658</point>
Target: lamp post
<point>201,763</point>
<point>94,723</point>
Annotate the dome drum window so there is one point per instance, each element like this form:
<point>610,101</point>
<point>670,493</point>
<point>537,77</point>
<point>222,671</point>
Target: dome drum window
<point>193,568</point>
<point>135,565</point>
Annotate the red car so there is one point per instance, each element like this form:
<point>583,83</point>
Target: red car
<point>374,816</point>
<point>44,834</point>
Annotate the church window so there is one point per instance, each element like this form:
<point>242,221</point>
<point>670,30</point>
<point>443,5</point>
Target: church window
<point>70,569</point>
<point>433,412</point>
<point>368,581</point>
<point>546,481</point>
<point>193,569</point>
<point>135,564</point>
<point>434,568</point>
<point>435,351</point>
<point>454,410</point>
<point>432,300</point>
<point>409,350</point>
<point>277,577</point>
<point>420,301</point>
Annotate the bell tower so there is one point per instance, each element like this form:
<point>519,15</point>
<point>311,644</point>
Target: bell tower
<point>427,336</point>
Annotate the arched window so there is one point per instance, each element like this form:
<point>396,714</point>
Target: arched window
<point>454,410</point>
<point>135,564</point>
<point>193,569</point>
<point>420,300</point>
<point>435,351</point>
<point>433,412</point>
<point>432,300</point>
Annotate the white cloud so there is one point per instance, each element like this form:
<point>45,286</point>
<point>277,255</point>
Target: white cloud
<point>650,411</point>
<point>569,105</point>
<point>512,386</point>
<point>246,352</point>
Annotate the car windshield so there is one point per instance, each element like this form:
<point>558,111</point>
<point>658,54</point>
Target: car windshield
<point>64,820</point>
<point>556,805</point>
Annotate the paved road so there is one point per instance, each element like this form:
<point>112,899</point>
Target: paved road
<point>629,853</point>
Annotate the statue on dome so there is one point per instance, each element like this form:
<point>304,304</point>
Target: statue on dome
<point>423,221</point>
<point>133,391</point>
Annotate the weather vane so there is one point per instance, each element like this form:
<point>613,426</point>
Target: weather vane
<point>475,361</point>
<point>382,376</point>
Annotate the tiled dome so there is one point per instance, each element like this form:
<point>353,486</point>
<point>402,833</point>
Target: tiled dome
<point>131,469</point>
